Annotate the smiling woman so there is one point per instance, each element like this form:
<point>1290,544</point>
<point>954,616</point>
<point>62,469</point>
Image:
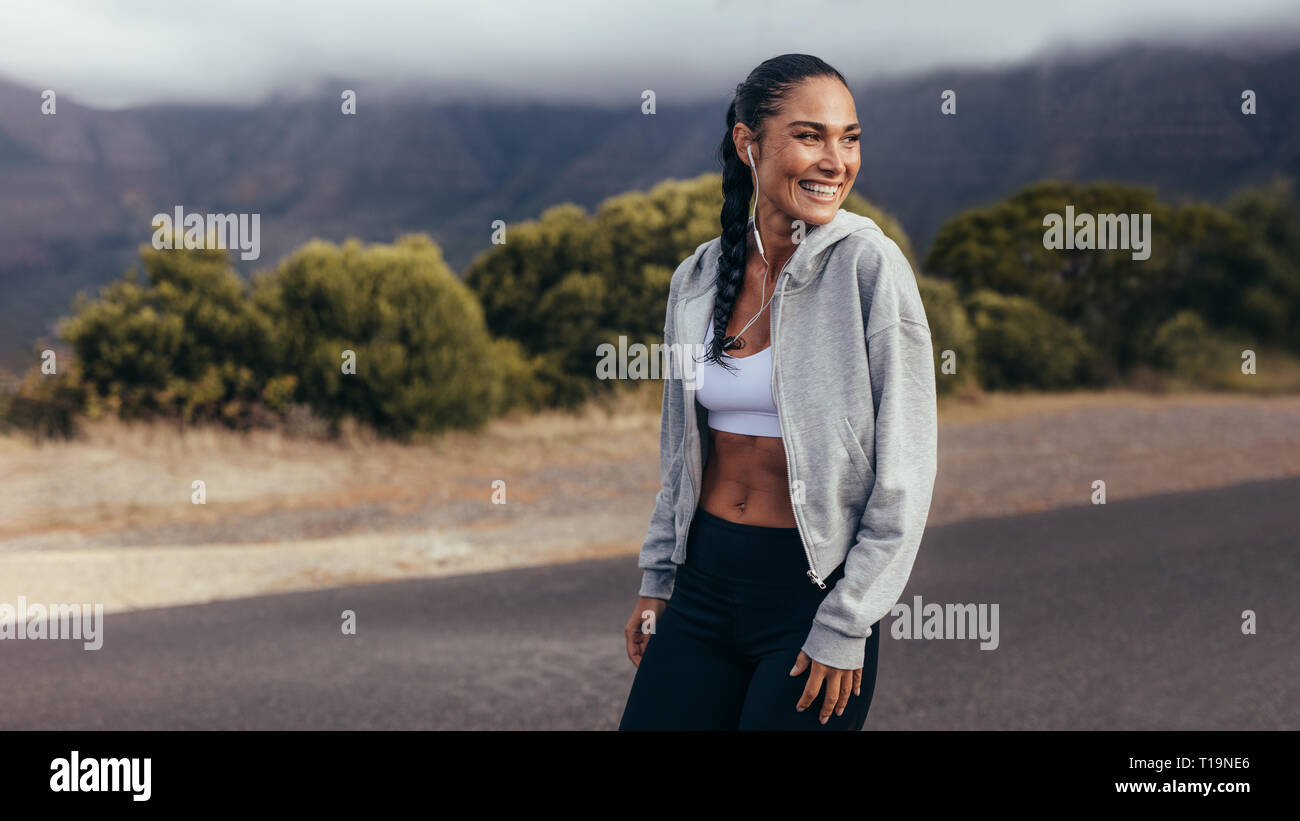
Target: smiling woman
<point>736,534</point>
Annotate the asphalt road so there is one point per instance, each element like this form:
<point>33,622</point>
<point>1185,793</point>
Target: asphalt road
<point>1119,616</point>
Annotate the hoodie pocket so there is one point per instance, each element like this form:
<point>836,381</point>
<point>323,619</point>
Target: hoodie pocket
<point>857,456</point>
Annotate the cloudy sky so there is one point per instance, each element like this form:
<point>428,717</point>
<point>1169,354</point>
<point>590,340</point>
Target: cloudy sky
<point>114,53</point>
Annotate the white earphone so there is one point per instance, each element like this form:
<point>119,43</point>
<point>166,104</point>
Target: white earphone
<point>749,149</point>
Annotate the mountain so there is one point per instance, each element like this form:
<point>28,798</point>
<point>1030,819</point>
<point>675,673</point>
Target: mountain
<point>78,189</point>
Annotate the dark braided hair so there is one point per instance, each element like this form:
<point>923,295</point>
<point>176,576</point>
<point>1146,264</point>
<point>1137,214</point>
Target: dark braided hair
<point>757,98</point>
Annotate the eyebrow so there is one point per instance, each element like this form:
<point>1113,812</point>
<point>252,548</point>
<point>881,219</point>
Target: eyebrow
<point>821,126</point>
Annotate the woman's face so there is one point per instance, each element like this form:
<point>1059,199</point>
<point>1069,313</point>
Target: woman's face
<point>812,141</point>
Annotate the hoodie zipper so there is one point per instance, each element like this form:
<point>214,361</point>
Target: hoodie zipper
<point>775,318</point>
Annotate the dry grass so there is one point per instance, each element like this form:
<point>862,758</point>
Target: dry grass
<point>120,474</point>
<point>973,407</point>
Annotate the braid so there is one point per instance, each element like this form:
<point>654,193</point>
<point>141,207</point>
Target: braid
<point>737,190</point>
<point>756,99</point>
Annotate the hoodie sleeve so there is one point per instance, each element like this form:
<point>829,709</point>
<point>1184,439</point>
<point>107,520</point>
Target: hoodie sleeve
<point>659,573</point>
<point>876,569</point>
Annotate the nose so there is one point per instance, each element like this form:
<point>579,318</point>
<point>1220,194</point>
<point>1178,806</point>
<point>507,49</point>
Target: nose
<point>833,160</point>
<point>836,159</point>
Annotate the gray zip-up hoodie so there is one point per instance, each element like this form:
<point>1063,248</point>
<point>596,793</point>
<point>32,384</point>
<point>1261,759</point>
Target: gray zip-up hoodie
<point>854,385</point>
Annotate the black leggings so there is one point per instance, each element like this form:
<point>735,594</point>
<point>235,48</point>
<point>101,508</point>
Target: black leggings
<point>721,651</point>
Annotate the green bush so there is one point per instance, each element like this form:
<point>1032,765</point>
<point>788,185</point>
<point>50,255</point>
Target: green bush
<point>183,343</point>
<point>192,341</point>
<point>1023,346</point>
<point>1186,348</point>
<point>519,385</point>
<point>44,405</point>
<point>1202,258</point>
<point>1180,344</point>
<point>950,330</point>
<point>423,357</point>
<point>1270,309</point>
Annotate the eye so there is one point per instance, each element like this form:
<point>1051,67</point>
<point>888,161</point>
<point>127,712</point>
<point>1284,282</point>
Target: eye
<point>856,138</point>
<point>806,134</point>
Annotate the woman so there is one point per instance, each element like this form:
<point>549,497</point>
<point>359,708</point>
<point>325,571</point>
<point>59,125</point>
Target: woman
<point>814,479</point>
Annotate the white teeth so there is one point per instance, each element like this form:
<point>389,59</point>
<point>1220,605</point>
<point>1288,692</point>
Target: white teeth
<point>825,190</point>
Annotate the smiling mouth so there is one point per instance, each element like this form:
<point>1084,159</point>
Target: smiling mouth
<point>820,191</point>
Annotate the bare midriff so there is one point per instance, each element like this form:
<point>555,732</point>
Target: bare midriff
<point>745,480</point>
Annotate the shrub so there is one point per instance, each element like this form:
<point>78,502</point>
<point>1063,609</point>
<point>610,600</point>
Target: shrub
<point>1023,346</point>
<point>517,385</point>
<point>423,356</point>
<point>44,405</point>
<point>950,331</point>
<point>183,343</point>
<point>1186,348</point>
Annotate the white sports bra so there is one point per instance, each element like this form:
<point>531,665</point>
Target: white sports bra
<point>739,402</point>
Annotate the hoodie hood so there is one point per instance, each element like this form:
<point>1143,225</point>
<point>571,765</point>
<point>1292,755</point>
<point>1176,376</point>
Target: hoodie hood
<point>803,265</point>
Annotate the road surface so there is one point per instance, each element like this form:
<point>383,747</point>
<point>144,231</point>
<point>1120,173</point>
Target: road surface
<point>1119,616</point>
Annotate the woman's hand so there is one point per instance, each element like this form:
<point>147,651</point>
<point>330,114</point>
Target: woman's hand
<point>839,683</point>
<point>640,626</point>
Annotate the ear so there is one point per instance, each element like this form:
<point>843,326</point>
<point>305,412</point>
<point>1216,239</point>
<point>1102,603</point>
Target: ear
<point>743,139</point>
